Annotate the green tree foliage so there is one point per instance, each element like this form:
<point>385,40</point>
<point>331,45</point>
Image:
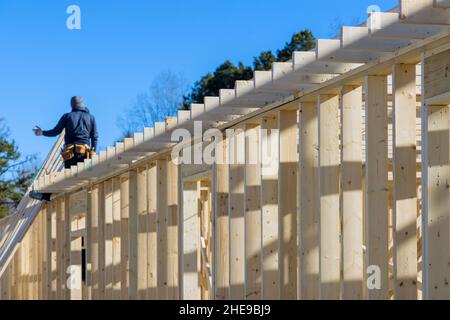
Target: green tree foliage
<point>15,175</point>
<point>264,61</point>
<point>300,41</point>
<point>227,73</point>
<point>223,77</point>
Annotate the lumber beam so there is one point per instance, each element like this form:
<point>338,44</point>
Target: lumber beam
<point>152,235</point>
<point>358,39</point>
<point>436,202</point>
<point>331,50</point>
<point>281,79</point>
<point>108,232</point>
<point>253,245</point>
<point>101,280</point>
<point>51,251</point>
<point>162,216</point>
<point>222,249</point>
<point>287,201</point>
<point>247,95</point>
<point>61,271</point>
<point>191,242</point>
<point>133,227</point>
<point>75,263</point>
<point>306,61</point>
<point>423,12</point>
<point>352,193</point>
<point>436,78</point>
<point>93,244</point>
<point>66,242</point>
<point>213,105</point>
<point>173,230</point>
<point>308,209</point>
<point>329,221</point>
<point>124,240</point>
<point>269,206</point>
<point>404,175</point>
<point>116,240</point>
<point>387,25</point>
<point>142,230</point>
<point>377,185</point>
<point>236,209</point>
<point>435,181</point>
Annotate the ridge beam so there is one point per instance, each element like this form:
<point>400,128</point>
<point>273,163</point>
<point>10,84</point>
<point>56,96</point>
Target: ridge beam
<point>228,100</point>
<point>387,25</point>
<point>275,81</point>
<point>305,62</point>
<point>212,116</point>
<point>213,106</point>
<point>424,12</point>
<point>247,95</point>
<point>358,38</point>
<point>330,50</point>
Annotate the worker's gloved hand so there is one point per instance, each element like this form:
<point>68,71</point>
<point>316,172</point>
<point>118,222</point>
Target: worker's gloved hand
<point>91,154</point>
<point>38,131</point>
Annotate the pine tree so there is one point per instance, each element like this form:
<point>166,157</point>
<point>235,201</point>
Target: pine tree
<point>15,175</point>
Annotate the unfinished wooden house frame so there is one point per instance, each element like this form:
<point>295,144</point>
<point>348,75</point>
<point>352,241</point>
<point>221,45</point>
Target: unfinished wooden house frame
<point>355,204</point>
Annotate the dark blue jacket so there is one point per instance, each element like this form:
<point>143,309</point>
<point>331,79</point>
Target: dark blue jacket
<point>80,128</point>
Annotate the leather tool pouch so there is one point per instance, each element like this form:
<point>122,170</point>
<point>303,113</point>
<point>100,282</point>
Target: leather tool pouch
<point>68,153</point>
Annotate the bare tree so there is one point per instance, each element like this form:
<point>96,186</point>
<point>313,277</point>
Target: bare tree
<point>164,98</point>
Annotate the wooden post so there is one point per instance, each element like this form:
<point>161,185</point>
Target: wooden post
<point>51,253</point>
<point>93,242</point>
<point>221,263</point>
<point>44,288</point>
<point>133,236</point>
<point>142,233</point>
<point>108,232</point>
<point>269,203</point>
<point>101,242</point>
<point>377,187</point>
<point>152,235</point>
<point>25,265</point>
<point>236,210</point>
<point>436,202</point>
<point>252,199</point>
<point>287,202</point>
<point>75,262</point>
<point>309,213</point>
<point>191,243</point>
<point>4,285</point>
<point>61,272</point>
<point>329,221</point>
<point>172,232</point>
<point>66,244</point>
<point>352,193</point>
<point>404,175</point>
<point>162,212</point>
<point>87,244</point>
<point>116,239</point>
<point>124,241</point>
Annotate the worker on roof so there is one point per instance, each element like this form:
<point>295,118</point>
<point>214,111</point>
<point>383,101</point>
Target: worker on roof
<point>80,138</point>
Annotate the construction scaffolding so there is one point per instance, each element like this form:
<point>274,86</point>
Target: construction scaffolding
<point>348,197</point>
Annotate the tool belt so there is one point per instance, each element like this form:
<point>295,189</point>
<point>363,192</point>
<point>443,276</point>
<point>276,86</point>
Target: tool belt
<point>72,149</point>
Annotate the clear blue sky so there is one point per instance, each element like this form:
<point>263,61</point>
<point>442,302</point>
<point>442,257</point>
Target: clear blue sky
<point>123,45</point>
